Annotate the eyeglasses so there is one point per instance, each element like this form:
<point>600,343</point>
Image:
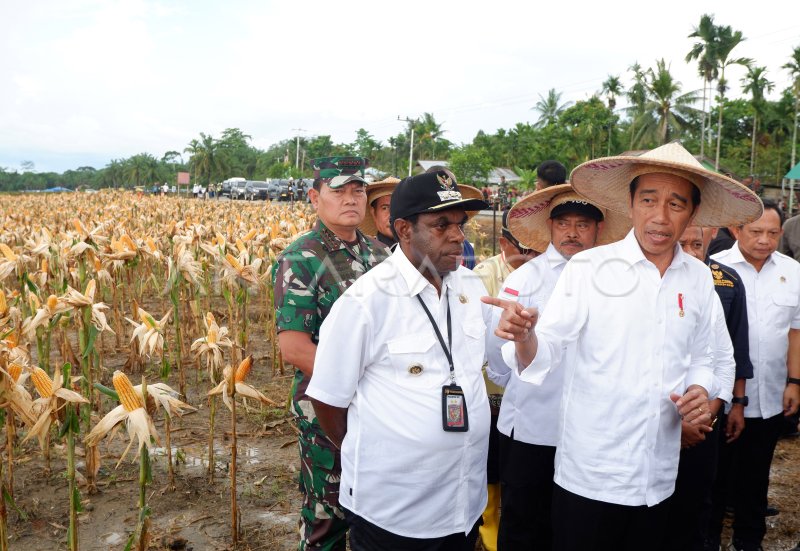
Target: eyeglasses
<point>522,250</point>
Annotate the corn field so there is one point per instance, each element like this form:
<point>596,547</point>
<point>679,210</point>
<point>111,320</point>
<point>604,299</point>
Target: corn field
<point>174,294</point>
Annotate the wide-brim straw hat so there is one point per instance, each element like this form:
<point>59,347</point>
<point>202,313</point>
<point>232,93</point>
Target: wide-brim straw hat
<point>724,201</point>
<point>376,190</point>
<point>527,219</point>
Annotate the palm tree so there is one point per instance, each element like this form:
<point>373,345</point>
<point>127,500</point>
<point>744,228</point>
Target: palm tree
<point>637,97</point>
<point>755,83</point>
<point>428,133</point>
<point>703,52</point>
<point>612,87</point>
<point>665,112</point>
<point>141,169</point>
<point>793,67</point>
<point>207,158</point>
<point>727,40</point>
<point>549,108</point>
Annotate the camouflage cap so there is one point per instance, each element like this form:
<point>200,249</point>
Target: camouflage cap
<point>330,167</point>
<point>342,179</point>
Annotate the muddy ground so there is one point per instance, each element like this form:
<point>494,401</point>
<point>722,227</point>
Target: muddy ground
<point>196,514</point>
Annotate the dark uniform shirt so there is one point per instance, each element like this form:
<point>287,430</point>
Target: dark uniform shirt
<point>731,292</point>
<point>310,274</point>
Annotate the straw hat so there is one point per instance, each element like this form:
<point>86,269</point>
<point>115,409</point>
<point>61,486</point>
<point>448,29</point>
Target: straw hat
<point>376,190</point>
<point>725,202</point>
<point>527,219</point>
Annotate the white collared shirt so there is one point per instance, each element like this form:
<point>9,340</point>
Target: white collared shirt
<point>400,470</point>
<point>531,411</point>
<point>773,307</point>
<point>619,438</point>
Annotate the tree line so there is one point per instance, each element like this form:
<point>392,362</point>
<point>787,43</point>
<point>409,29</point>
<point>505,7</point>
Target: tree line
<point>747,136</point>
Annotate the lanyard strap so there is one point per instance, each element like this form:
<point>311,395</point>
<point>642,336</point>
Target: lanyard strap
<point>445,348</point>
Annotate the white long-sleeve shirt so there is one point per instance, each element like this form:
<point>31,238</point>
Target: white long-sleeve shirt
<point>531,411</point>
<point>638,338</point>
<point>773,308</point>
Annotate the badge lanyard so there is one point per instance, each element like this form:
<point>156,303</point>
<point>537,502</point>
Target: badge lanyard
<point>454,406</point>
<point>449,346</point>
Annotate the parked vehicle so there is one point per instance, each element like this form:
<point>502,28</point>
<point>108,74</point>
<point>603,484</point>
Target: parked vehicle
<point>239,189</point>
<point>257,189</point>
<point>227,186</point>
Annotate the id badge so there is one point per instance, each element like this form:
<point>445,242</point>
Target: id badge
<point>454,409</point>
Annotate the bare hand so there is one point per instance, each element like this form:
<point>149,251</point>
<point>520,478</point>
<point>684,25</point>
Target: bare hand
<point>691,435</point>
<point>791,399</point>
<point>735,424</point>
<point>516,323</point>
<point>693,406</point>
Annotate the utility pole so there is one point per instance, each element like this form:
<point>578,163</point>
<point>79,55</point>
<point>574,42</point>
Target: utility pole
<point>411,144</point>
<point>297,149</point>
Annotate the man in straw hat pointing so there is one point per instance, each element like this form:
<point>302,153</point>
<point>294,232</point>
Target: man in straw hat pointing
<point>638,313</point>
<point>561,223</point>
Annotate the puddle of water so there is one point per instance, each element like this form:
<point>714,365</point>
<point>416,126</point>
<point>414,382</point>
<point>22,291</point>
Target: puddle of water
<point>194,457</point>
<point>277,518</point>
<point>113,539</point>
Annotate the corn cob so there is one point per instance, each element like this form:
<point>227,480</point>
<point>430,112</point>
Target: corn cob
<point>15,370</point>
<point>42,382</point>
<point>233,262</point>
<point>52,302</point>
<point>7,252</point>
<point>243,369</point>
<point>211,338</point>
<point>250,235</point>
<point>90,289</point>
<point>127,396</point>
<point>3,304</point>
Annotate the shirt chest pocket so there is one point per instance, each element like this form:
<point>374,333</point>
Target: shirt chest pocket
<point>785,306</point>
<point>475,333</point>
<point>415,362</point>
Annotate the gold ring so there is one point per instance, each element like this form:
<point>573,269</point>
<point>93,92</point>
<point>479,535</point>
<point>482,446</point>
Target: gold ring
<point>700,410</point>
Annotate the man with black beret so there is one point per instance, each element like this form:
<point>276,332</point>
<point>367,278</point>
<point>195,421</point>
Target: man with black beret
<point>405,400</point>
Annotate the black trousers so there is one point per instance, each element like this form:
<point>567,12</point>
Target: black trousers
<point>690,507</point>
<point>526,496</point>
<point>582,524</point>
<point>365,536</point>
<point>744,480</point>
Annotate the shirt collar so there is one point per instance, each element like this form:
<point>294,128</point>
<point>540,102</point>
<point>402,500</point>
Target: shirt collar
<point>735,256</point>
<point>415,281</point>
<point>554,258</point>
<point>333,242</point>
<point>632,253</point>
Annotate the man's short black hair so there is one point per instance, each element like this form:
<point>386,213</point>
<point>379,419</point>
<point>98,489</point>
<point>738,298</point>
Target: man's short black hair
<point>769,204</point>
<point>318,183</point>
<point>551,172</point>
<point>696,196</point>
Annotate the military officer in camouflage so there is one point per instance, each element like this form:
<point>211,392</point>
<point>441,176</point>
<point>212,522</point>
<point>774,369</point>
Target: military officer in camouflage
<point>309,276</point>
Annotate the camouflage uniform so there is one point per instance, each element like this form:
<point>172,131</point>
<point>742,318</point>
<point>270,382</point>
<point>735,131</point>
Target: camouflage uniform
<point>310,275</point>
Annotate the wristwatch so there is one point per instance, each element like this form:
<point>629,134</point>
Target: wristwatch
<point>744,400</point>
<point>792,381</point>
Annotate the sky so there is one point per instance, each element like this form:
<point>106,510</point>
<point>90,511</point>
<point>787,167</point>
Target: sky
<point>86,81</point>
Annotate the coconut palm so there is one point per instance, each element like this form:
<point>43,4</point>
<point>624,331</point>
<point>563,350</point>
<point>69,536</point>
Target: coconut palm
<point>755,83</point>
<point>703,52</point>
<point>665,112</point>
<point>637,97</point>
<point>793,67</point>
<point>549,108</point>
<point>612,87</point>
<point>726,40</point>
